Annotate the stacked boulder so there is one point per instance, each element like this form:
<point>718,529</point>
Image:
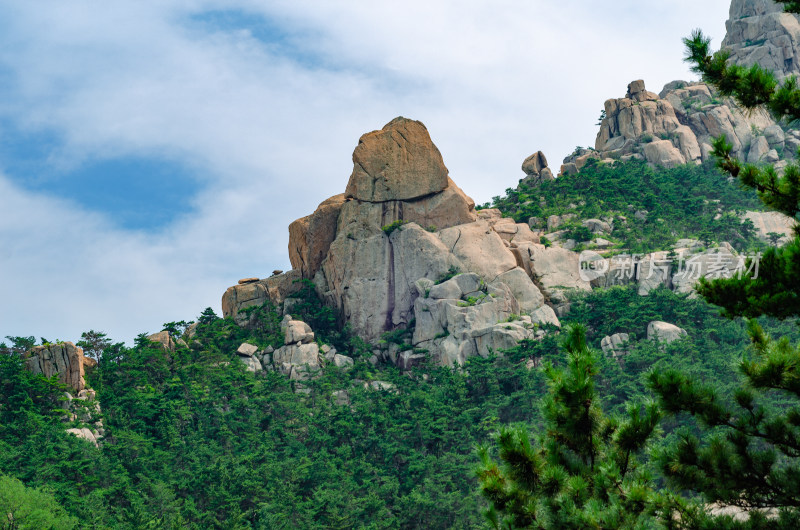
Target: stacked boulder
<point>252,357</point>
<point>300,357</point>
<point>536,170</point>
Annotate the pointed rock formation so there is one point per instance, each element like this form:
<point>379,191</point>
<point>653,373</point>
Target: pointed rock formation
<point>643,120</point>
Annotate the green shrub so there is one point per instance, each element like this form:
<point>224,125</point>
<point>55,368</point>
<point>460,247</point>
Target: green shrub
<point>391,227</point>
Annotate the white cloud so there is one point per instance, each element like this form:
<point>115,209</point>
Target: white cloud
<point>271,138</point>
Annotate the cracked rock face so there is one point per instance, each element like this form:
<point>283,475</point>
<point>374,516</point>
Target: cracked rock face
<point>758,31</point>
<point>64,359</point>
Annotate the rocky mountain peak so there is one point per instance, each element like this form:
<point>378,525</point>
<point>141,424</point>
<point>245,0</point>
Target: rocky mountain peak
<point>404,247</point>
<point>398,162</point>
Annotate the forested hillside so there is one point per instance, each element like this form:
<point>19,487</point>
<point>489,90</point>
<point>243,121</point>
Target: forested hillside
<point>193,439</point>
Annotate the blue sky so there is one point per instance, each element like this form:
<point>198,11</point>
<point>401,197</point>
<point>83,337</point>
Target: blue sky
<point>152,153</point>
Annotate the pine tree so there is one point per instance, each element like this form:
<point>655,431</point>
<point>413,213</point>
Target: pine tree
<point>584,471</point>
<point>776,289</point>
<point>752,457</point>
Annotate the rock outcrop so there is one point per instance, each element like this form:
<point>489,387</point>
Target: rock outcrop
<point>402,221</point>
<point>310,237</point>
<point>615,345</point>
<point>386,240</point>
<point>772,222</point>
<point>67,361</point>
<point>465,316</point>
<point>275,289</point>
<point>644,119</point>
<point>678,271</point>
<point>677,125</point>
<point>664,332</point>
<point>759,32</point>
<point>63,359</point>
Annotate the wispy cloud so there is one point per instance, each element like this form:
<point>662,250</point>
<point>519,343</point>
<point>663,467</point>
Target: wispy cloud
<point>258,107</point>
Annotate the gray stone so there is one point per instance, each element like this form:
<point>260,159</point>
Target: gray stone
<point>615,345</point>
<point>342,361</point>
<point>247,350</point>
<point>664,332</point>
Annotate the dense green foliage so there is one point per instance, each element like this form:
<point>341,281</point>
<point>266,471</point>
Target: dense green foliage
<point>683,202</point>
<point>194,440</point>
<point>583,471</point>
<point>22,507</point>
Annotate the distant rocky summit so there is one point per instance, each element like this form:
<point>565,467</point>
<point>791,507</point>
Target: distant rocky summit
<point>677,125</point>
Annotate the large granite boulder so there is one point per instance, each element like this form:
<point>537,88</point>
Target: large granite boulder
<point>165,340</point>
<point>479,248</point>
<point>368,279</point>
<point>555,270</point>
<point>399,162</point>
<point>63,359</point>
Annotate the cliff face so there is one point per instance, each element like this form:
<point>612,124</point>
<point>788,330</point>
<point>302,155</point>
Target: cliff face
<point>758,31</point>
